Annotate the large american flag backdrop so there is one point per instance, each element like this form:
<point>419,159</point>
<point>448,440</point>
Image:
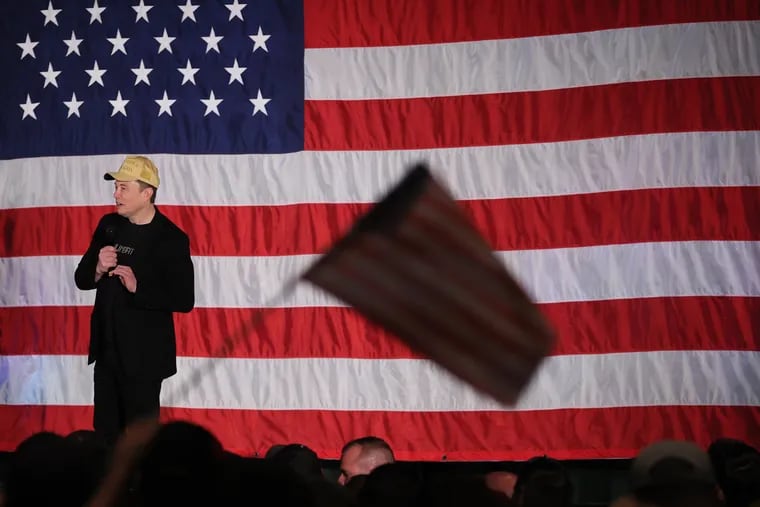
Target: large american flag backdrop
<point>608,152</point>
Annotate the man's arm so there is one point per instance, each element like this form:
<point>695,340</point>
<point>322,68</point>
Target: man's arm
<point>85,276</point>
<point>169,285</point>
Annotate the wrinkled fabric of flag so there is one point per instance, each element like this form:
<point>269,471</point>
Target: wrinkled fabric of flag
<point>605,151</point>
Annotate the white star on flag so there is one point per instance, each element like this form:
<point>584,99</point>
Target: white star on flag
<point>188,73</point>
<point>27,47</point>
<point>51,15</point>
<point>73,105</point>
<point>119,105</point>
<point>212,104</point>
<point>188,11</point>
<point>28,107</point>
<point>96,74</point>
<point>259,104</point>
<point>165,105</point>
<point>95,12</point>
<point>51,76</point>
<point>236,10</point>
<point>236,72</point>
<point>212,41</point>
<point>165,42</point>
<point>260,41</point>
<point>141,74</point>
<point>142,11</point>
<point>119,43</point>
<point>73,44</point>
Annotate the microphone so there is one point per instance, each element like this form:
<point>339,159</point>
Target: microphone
<point>110,235</point>
<point>110,240</point>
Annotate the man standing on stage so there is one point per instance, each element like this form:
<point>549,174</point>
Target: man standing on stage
<point>139,262</point>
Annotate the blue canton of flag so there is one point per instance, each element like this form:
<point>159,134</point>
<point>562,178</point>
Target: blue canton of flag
<point>187,76</point>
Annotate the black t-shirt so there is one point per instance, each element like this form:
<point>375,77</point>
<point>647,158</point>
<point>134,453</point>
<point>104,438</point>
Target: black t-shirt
<point>131,244</point>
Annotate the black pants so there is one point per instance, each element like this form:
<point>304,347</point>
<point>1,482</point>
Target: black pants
<point>120,400</point>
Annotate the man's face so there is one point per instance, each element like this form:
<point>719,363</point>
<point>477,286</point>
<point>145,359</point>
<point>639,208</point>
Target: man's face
<point>129,198</point>
<point>349,464</point>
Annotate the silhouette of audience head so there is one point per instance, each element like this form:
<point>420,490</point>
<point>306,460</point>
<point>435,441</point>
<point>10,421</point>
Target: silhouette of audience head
<point>362,455</point>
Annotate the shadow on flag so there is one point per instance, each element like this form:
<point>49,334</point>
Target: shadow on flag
<point>416,266</point>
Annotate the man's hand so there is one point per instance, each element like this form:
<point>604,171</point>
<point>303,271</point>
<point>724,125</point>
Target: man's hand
<point>126,276</point>
<point>106,260</point>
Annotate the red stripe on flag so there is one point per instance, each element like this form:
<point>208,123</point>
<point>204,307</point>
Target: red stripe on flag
<point>568,434</point>
<point>348,23</point>
<point>631,216</point>
<point>672,214</point>
<point>682,105</point>
<point>590,327</point>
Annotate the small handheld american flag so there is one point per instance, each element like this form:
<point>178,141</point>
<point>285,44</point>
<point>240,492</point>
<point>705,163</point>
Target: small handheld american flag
<point>416,266</point>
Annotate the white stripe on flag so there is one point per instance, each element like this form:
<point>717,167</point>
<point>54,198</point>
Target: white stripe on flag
<point>596,165</point>
<point>534,63</point>
<point>631,379</point>
<point>639,270</point>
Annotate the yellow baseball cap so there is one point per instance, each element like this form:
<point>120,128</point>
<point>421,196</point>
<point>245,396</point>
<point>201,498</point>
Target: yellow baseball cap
<point>136,168</point>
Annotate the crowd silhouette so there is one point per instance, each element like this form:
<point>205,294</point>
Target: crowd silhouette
<point>182,463</point>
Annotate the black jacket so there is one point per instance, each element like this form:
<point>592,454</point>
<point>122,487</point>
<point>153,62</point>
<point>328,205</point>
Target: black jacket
<point>145,336</point>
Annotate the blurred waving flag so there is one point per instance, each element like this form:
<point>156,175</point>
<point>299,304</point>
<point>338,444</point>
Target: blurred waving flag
<point>607,151</point>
